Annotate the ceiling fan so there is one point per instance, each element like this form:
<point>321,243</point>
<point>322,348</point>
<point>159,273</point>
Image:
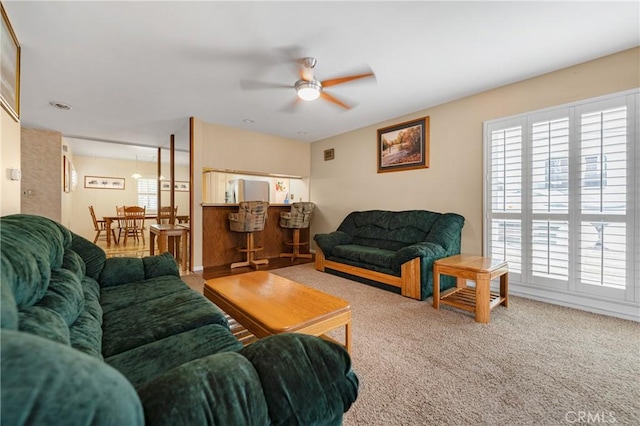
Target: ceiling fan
<point>308,88</point>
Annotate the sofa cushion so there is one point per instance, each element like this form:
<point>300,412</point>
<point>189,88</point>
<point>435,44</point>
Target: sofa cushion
<point>74,263</point>
<point>144,363</point>
<point>44,322</point>
<point>64,295</point>
<point>130,294</point>
<point>121,270</point>
<point>31,248</point>
<point>148,321</point>
<point>160,265</point>
<point>388,230</point>
<point>92,255</point>
<point>364,254</point>
<point>86,332</point>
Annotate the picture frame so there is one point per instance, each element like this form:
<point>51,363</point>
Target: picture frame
<point>10,72</point>
<point>179,186</point>
<point>182,186</point>
<point>329,154</point>
<point>103,182</point>
<point>404,146</point>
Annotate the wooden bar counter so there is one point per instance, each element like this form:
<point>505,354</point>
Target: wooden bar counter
<point>220,243</point>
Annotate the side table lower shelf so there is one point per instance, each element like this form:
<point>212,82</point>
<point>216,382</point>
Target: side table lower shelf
<point>465,298</point>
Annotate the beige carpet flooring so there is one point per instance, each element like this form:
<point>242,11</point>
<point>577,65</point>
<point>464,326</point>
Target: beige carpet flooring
<point>533,364</point>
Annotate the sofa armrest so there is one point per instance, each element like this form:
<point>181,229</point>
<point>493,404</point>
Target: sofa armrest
<point>327,242</point>
<point>281,379</point>
<point>220,389</point>
<point>447,232</point>
<point>47,383</point>
<point>305,379</point>
<point>425,251</point>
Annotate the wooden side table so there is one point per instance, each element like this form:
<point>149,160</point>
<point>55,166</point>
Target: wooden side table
<point>163,232</point>
<point>480,269</point>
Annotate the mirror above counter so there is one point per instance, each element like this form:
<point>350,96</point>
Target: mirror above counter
<point>232,186</point>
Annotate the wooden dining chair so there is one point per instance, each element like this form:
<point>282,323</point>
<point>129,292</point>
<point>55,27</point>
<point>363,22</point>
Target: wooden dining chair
<point>121,222</point>
<point>134,223</point>
<point>164,214</point>
<point>99,226</point>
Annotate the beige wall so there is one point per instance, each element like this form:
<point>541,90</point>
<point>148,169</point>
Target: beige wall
<point>42,176</point>
<point>453,183</point>
<point>9,159</point>
<point>223,147</point>
<point>104,201</point>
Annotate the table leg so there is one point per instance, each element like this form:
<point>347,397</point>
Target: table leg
<point>152,242</point>
<point>483,283</point>
<point>107,225</point>
<point>183,255</point>
<point>504,289</point>
<point>436,287</point>
<point>347,336</point>
<point>162,242</point>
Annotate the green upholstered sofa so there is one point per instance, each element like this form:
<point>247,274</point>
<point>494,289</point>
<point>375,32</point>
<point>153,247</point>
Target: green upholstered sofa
<point>392,248</point>
<point>123,341</point>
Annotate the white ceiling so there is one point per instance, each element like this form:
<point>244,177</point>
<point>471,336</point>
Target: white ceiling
<point>135,71</point>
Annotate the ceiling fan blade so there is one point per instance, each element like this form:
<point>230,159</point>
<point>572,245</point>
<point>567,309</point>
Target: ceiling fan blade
<point>259,85</point>
<point>341,80</point>
<point>292,106</point>
<point>327,97</point>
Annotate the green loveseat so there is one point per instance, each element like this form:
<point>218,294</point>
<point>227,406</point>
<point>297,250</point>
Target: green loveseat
<point>391,248</point>
<point>123,341</point>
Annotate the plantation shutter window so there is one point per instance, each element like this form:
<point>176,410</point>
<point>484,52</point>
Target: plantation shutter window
<point>559,190</point>
<point>603,200</point>
<point>148,194</point>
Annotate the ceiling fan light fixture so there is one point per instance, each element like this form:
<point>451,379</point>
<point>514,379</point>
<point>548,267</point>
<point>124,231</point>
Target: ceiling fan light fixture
<point>308,90</point>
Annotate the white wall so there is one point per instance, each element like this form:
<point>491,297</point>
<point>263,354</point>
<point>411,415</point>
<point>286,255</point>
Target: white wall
<point>9,159</point>
<point>453,183</point>
<point>222,147</point>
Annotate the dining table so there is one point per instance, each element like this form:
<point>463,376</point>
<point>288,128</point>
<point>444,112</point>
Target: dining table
<point>108,220</point>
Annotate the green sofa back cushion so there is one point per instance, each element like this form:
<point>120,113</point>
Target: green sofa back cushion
<point>121,270</point>
<point>388,230</point>
<point>92,255</point>
<point>32,246</point>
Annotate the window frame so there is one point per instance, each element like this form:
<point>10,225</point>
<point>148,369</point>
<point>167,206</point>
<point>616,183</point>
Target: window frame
<point>573,286</point>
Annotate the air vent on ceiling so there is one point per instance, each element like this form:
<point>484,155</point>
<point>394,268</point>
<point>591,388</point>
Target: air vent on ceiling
<point>60,105</point>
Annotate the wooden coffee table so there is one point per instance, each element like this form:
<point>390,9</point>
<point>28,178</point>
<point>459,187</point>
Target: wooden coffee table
<point>267,304</point>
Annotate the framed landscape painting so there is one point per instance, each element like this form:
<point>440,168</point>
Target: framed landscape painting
<point>9,68</point>
<point>404,146</point>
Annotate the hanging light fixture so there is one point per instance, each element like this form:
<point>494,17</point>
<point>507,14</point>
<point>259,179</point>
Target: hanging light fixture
<point>136,175</point>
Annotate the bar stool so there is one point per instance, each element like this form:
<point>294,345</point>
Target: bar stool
<point>250,218</point>
<point>298,218</point>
